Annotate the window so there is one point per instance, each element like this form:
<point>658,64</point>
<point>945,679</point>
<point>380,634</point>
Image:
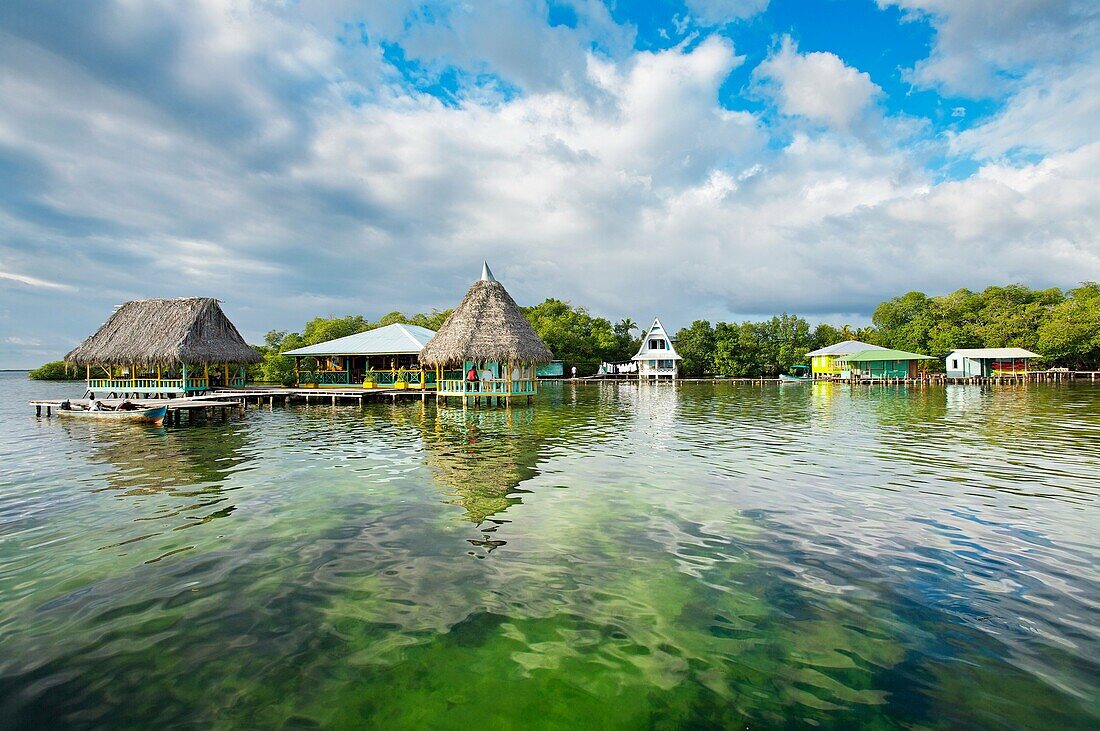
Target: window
<point>656,344</point>
<point>954,364</point>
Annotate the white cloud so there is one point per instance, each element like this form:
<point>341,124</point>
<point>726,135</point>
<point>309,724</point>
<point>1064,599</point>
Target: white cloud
<point>1049,113</point>
<point>818,86</point>
<point>307,178</point>
<point>982,46</point>
<point>34,281</point>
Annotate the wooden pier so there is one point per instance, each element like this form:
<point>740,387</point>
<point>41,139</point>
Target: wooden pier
<point>220,404</point>
<point>192,409</point>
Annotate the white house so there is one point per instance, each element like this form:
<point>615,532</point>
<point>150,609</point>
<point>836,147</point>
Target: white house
<point>987,362</point>
<point>657,358</point>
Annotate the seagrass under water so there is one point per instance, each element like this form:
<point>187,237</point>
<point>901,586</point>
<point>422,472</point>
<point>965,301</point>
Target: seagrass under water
<point>615,557</point>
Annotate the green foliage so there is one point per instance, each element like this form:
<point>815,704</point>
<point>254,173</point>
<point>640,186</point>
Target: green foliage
<point>577,338</point>
<point>695,345</point>
<point>1070,335</point>
<point>57,370</point>
<point>323,329</point>
<point>756,349</point>
<point>1063,327</point>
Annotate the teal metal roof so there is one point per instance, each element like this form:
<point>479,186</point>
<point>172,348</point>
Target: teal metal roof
<point>844,347</point>
<point>865,356</point>
<point>388,340</point>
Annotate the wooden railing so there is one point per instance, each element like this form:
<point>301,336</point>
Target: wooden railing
<point>325,378</point>
<point>495,387</point>
<point>412,377</point>
<point>152,384</point>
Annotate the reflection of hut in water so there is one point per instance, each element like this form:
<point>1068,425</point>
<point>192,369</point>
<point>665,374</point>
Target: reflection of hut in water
<point>155,461</point>
<point>479,461</point>
<point>486,336</point>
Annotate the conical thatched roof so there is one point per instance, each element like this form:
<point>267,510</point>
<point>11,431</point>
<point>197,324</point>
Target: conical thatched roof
<point>486,325</point>
<point>191,330</point>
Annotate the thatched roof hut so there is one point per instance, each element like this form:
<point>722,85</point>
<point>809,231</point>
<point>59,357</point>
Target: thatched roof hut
<point>486,326</point>
<point>190,330</point>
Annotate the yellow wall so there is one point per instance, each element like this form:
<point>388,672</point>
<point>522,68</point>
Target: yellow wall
<point>825,365</point>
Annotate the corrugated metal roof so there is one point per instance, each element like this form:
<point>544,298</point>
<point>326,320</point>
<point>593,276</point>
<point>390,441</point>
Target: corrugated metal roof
<point>388,340</point>
<point>844,347</point>
<point>873,354</point>
<point>993,353</point>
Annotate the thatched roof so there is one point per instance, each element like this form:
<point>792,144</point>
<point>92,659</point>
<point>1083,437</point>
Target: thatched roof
<point>191,330</point>
<point>486,325</point>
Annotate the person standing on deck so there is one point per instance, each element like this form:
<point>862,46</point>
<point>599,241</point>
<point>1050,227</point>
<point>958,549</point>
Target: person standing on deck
<point>574,372</point>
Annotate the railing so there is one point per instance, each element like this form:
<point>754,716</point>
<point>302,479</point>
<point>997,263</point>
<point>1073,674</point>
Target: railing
<point>150,384</point>
<point>495,387</point>
<point>411,377</point>
<point>322,378</point>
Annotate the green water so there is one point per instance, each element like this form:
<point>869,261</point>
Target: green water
<point>704,556</point>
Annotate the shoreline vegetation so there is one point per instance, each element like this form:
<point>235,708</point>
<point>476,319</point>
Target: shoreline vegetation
<point>1062,326</point>
<point>56,370</point>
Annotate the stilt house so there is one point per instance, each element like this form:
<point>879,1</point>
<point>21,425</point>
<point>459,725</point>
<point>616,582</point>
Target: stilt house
<point>487,333</point>
<point>657,358</point>
<point>164,347</point>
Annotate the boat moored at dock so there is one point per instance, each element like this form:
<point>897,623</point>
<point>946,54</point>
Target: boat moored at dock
<point>154,416</point>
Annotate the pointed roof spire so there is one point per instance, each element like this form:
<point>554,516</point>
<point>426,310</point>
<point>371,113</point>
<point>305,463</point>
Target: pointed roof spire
<point>486,273</point>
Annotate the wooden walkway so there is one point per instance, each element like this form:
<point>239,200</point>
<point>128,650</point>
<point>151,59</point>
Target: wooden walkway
<point>221,403</point>
<point>192,409</point>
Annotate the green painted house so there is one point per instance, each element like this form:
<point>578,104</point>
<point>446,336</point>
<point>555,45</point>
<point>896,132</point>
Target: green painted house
<point>882,363</point>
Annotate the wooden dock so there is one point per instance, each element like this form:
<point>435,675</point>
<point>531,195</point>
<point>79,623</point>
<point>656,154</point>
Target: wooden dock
<point>221,403</point>
<point>178,409</point>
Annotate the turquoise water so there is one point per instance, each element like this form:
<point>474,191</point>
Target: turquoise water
<point>704,556</point>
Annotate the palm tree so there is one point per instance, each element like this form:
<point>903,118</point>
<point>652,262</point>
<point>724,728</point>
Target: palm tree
<point>625,326</point>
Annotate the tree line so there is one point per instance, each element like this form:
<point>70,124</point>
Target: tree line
<point>1062,326</point>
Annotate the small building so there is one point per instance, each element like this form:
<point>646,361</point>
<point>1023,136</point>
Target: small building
<point>488,333</point>
<point>553,369</point>
<point>164,348</point>
<point>657,358</point>
<point>881,363</point>
<point>987,362</point>
<point>386,357</point>
<point>823,360</point>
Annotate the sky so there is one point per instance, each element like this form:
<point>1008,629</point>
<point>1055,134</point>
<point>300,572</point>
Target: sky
<point>719,159</point>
